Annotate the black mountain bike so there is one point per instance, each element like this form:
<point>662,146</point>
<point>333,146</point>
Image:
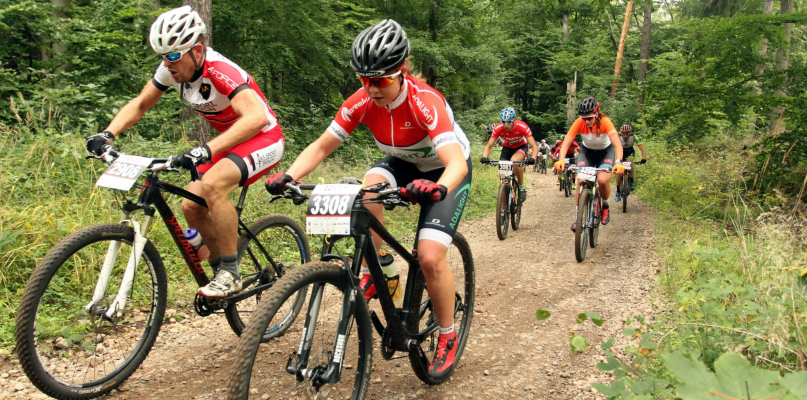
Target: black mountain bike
<point>507,204</point>
<point>589,210</point>
<point>565,179</point>
<point>332,358</point>
<point>540,164</point>
<point>624,188</point>
<point>94,305</point>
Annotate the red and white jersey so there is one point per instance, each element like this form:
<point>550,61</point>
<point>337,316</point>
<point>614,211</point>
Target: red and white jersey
<point>210,93</point>
<point>514,138</point>
<point>417,123</point>
<point>569,153</point>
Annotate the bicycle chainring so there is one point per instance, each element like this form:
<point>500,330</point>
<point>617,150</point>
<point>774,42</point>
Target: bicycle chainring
<point>202,306</point>
<point>386,346</point>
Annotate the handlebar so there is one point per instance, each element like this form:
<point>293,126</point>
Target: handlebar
<point>110,154</point>
<point>390,197</point>
<point>494,163</point>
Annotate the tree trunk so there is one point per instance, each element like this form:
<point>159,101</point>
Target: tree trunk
<point>763,52</point>
<point>564,24</point>
<point>571,99</point>
<point>782,64</point>
<point>199,129</point>
<point>59,11</point>
<point>644,52</point>
<point>620,50</point>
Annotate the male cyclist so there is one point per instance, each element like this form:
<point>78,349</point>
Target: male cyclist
<point>543,150</point>
<point>249,144</point>
<point>601,148</point>
<point>571,153</point>
<point>517,138</point>
<point>628,140</point>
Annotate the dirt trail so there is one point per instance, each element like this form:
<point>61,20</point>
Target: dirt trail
<point>509,353</point>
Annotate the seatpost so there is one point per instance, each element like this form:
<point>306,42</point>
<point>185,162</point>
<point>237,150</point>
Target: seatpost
<point>240,206</point>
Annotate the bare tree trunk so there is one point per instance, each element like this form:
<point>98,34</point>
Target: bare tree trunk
<point>620,50</point>
<point>571,99</point>
<point>763,52</point>
<point>199,128</point>
<point>644,52</point>
<point>564,24</point>
<point>59,11</point>
<point>782,64</point>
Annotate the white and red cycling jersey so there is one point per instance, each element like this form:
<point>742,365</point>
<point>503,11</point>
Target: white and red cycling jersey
<point>569,153</point>
<point>411,128</point>
<point>514,138</point>
<point>210,93</point>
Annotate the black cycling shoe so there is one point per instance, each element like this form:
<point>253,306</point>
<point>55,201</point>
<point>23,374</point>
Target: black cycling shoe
<point>574,227</point>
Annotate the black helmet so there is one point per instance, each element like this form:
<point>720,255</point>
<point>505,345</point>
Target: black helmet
<point>379,48</point>
<point>588,106</point>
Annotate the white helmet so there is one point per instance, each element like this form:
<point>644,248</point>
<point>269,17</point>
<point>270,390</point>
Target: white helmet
<point>176,30</point>
<point>543,141</point>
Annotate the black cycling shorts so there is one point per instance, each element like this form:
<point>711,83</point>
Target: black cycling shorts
<point>507,152</point>
<point>628,152</point>
<point>438,222</point>
<point>596,158</point>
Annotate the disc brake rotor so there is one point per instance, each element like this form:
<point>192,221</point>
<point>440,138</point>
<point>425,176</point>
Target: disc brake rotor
<point>321,360</point>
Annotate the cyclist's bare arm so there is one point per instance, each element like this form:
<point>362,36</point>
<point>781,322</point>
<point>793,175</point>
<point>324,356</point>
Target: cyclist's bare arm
<point>488,147</point>
<point>455,164</point>
<point>617,146</point>
<point>252,117</point>
<point>533,146</point>
<point>644,154</point>
<point>134,109</point>
<point>314,155</point>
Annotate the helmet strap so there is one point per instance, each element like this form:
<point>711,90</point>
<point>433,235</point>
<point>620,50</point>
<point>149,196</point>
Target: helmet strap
<point>200,63</point>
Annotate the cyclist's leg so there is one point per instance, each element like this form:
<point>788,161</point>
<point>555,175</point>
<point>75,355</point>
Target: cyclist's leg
<point>519,155</point>
<point>604,179</point>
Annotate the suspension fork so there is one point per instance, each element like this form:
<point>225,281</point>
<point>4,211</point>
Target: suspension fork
<point>140,240</point>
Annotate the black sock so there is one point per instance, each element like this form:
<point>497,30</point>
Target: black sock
<point>214,264</point>
<point>230,264</point>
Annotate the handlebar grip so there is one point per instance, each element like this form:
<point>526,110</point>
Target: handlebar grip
<point>404,193</point>
<point>436,197</point>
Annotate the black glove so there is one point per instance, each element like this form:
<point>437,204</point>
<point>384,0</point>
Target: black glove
<point>191,159</point>
<point>530,161</point>
<point>425,192</point>
<point>484,160</point>
<point>644,161</point>
<point>276,183</point>
<point>95,143</point>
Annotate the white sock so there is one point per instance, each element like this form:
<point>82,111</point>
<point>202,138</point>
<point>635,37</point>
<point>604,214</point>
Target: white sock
<point>447,331</point>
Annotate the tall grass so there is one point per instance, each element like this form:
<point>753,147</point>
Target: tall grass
<point>733,263</point>
<point>48,192</point>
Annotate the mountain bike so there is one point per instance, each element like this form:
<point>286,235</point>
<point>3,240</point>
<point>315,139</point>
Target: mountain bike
<point>565,179</point>
<point>507,204</point>
<point>589,210</point>
<point>93,306</point>
<point>333,356</point>
<point>540,164</point>
<point>624,188</point>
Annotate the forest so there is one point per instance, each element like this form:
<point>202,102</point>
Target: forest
<point>716,87</point>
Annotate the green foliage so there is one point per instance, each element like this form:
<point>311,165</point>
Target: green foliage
<point>578,344</point>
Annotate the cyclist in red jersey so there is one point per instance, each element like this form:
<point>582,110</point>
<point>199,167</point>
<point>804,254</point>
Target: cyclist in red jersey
<point>517,137</point>
<point>426,151</point>
<point>249,144</point>
<point>601,148</point>
<point>571,153</point>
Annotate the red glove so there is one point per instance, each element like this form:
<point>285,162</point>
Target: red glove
<point>425,192</point>
<point>276,183</point>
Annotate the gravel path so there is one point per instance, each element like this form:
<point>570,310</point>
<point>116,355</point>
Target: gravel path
<point>509,355</point>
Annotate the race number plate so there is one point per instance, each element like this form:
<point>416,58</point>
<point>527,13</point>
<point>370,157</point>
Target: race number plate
<point>587,174</point>
<point>626,164</point>
<point>123,173</point>
<point>329,209</point>
<point>505,167</point>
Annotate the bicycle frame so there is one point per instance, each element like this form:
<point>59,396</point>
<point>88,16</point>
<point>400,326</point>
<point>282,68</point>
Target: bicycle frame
<point>362,222</point>
<point>149,200</point>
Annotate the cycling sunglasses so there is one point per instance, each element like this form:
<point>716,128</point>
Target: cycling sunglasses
<point>175,56</point>
<point>380,81</point>
<point>588,117</point>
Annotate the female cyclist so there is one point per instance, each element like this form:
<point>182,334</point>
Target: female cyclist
<point>426,151</point>
<point>600,148</point>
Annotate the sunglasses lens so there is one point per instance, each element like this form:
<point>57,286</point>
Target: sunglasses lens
<point>378,82</point>
<point>172,57</point>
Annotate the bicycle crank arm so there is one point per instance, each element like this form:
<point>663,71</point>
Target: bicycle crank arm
<point>246,294</point>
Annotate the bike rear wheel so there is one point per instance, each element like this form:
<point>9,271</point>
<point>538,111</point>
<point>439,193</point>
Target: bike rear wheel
<point>277,239</point>
<point>421,312</point>
<point>596,213</point>
<point>502,210</point>
<point>515,213</point>
<point>583,220</point>
<point>69,352</point>
<point>266,369</point>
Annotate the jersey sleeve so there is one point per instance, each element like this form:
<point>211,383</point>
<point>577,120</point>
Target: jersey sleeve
<point>497,131</point>
<point>226,79</point>
<point>576,127</point>
<point>637,141</point>
<point>527,130</point>
<point>433,115</point>
<point>349,115</point>
<point>606,126</point>
<point>162,78</point>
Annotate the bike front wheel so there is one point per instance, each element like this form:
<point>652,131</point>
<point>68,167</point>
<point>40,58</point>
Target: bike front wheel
<point>66,345</point>
<point>596,213</point>
<point>272,243</point>
<point>568,186</point>
<point>502,211</point>
<point>625,192</point>
<point>583,221</point>
<point>422,317</point>
<point>515,214</point>
<point>267,368</point>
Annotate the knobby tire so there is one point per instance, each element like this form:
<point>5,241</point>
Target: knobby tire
<point>502,210</point>
<point>583,217</point>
